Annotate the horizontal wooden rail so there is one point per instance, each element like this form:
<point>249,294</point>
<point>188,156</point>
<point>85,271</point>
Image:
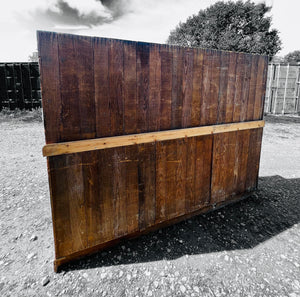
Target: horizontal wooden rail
<point>125,140</point>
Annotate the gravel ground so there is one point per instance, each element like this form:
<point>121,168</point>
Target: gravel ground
<point>250,248</point>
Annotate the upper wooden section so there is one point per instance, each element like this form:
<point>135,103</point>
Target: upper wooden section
<point>96,87</point>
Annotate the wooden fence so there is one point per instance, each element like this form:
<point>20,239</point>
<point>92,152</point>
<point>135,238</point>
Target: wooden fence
<point>142,135</point>
<point>283,89</point>
<point>20,85</point>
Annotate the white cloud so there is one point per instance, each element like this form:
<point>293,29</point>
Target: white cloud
<point>145,20</point>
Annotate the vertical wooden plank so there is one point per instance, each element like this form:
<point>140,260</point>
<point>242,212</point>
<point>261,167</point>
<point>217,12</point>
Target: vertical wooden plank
<point>179,197</point>
<point>132,188</point>
<point>91,172</point>
<point>76,201</point>
<point>177,87</point>
<point>252,88</point>
<point>60,205</point>
<point>116,89</point>
<point>69,89</point>
<point>214,88</point>
<point>175,97</point>
<point>161,189</point>
<point>241,159</point>
<point>207,74</point>
<point>197,87</point>
<point>105,179</point>
<point>231,88</point>
<point>50,83</point>
<point>147,184</point>
<point>166,87</point>
<point>84,55</point>
<point>240,73</point>
<point>255,139</point>
<point>218,186</point>
<point>102,87</point>
<point>202,171</point>
<point>154,88</point>
<point>246,87</point>
<point>119,191</point>
<point>190,174</point>
<point>171,170</point>
<point>224,82</point>
<point>130,88</point>
<point>187,87</point>
<point>263,86</point>
<point>142,68</point>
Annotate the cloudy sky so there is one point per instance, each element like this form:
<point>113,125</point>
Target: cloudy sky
<point>144,20</point>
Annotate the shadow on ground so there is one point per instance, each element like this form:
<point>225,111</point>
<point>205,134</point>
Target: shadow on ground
<point>274,208</point>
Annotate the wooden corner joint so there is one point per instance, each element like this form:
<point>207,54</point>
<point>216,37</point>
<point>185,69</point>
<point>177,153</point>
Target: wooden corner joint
<point>71,147</point>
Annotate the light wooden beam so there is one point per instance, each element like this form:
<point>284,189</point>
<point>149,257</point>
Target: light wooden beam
<point>56,149</point>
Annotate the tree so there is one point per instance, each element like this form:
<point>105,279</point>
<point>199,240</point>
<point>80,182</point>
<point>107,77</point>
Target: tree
<point>292,57</point>
<point>34,57</point>
<point>235,26</point>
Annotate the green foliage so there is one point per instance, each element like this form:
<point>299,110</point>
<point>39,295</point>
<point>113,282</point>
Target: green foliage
<point>234,26</point>
<point>292,57</point>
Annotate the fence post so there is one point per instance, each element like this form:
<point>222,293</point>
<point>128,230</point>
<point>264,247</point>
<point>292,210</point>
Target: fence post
<point>270,87</point>
<point>285,87</point>
<point>277,86</point>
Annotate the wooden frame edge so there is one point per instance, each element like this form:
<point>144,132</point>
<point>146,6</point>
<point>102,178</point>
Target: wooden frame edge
<point>56,149</point>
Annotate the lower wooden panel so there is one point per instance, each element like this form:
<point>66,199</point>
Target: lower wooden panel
<point>99,197</point>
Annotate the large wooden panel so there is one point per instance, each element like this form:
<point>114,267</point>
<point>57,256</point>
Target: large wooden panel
<point>96,88</point>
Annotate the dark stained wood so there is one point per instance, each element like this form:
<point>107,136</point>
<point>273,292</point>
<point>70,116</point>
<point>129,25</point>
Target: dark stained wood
<point>181,156</point>
<point>190,173</point>
<point>202,174</point>
<point>260,86</point>
<point>224,83</point>
<point>197,87</point>
<point>142,69</point>
<point>231,87</point>
<point>246,86</point>
<point>49,69</point>
<point>187,87</point>
<point>177,88</point>
<point>154,87</point>
<point>116,89</point>
<point>161,184</point>
<point>84,55</point>
<point>132,188</point>
<point>214,88</point>
<point>205,103</point>
<point>255,140</point>
<point>102,88</point>
<point>119,191</point>
<point>240,74</point>
<point>130,88</point>
<point>60,205</point>
<point>252,88</point>
<point>69,89</point>
<point>171,177</point>
<point>147,184</point>
<point>166,87</point>
<point>106,194</point>
<point>97,87</point>
<point>91,186</point>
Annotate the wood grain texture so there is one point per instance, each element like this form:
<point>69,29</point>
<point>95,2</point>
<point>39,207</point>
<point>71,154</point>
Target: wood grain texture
<point>166,87</point>
<point>139,135</point>
<point>102,87</point>
<point>50,80</point>
<point>130,88</point>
